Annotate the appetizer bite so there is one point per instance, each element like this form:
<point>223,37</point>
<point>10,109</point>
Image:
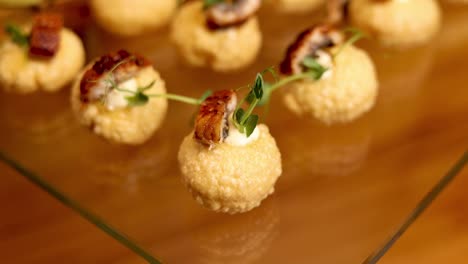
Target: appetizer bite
<point>132,17</point>
<point>229,163</point>
<point>295,6</point>
<point>223,35</point>
<point>344,84</point>
<point>113,97</point>
<point>42,56</point>
<point>397,23</point>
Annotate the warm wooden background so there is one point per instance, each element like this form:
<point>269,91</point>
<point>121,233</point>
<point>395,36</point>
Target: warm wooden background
<point>343,191</point>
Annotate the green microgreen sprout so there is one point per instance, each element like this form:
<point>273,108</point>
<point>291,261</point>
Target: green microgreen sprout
<point>266,88</point>
<point>244,120</point>
<point>312,69</point>
<point>311,64</point>
<point>17,35</point>
<point>184,99</point>
<point>140,97</point>
<point>260,93</point>
<point>209,3</point>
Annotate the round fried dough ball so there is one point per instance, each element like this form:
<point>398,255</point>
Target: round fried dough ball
<point>348,92</point>
<point>22,73</point>
<point>223,50</point>
<point>228,178</point>
<point>129,125</point>
<point>132,17</point>
<point>397,23</point>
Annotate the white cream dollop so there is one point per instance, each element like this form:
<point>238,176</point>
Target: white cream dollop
<point>236,138</point>
<point>325,59</point>
<point>116,99</point>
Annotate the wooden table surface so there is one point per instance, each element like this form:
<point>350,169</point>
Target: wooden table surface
<point>343,191</point>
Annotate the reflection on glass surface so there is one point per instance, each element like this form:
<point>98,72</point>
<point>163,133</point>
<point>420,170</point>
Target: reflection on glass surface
<point>332,150</point>
<point>241,238</point>
<point>404,72</point>
<point>56,121</point>
<point>130,168</point>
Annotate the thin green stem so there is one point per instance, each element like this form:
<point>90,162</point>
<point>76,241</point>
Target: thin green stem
<point>124,90</point>
<point>242,87</point>
<point>353,39</point>
<point>179,98</point>
<point>249,111</point>
<point>234,118</point>
<point>289,79</point>
<point>272,71</point>
<point>147,87</point>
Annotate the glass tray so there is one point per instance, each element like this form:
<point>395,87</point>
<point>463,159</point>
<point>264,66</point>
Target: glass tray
<point>344,189</point>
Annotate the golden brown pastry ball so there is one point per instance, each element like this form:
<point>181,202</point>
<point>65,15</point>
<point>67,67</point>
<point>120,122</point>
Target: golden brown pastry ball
<point>223,50</point>
<point>229,178</point>
<point>132,17</point>
<point>397,23</point>
<point>128,125</point>
<point>22,73</point>
<point>348,92</point>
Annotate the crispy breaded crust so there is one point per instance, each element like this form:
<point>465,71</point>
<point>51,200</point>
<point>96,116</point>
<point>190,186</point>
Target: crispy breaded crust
<point>350,91</point>
<point>231,179</point>
<point>224,50</point>
<point>130,125</point>
<point>398,24</point>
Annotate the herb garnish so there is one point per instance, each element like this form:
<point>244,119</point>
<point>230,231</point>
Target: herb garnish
<point>266,88</point>
<point>17,36</point>
<point>356,34</point>
<point>209,3</point>
<point>312,68</point>
<point>244,120</point>
<point>184,99</point>
<point>140,97</point>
